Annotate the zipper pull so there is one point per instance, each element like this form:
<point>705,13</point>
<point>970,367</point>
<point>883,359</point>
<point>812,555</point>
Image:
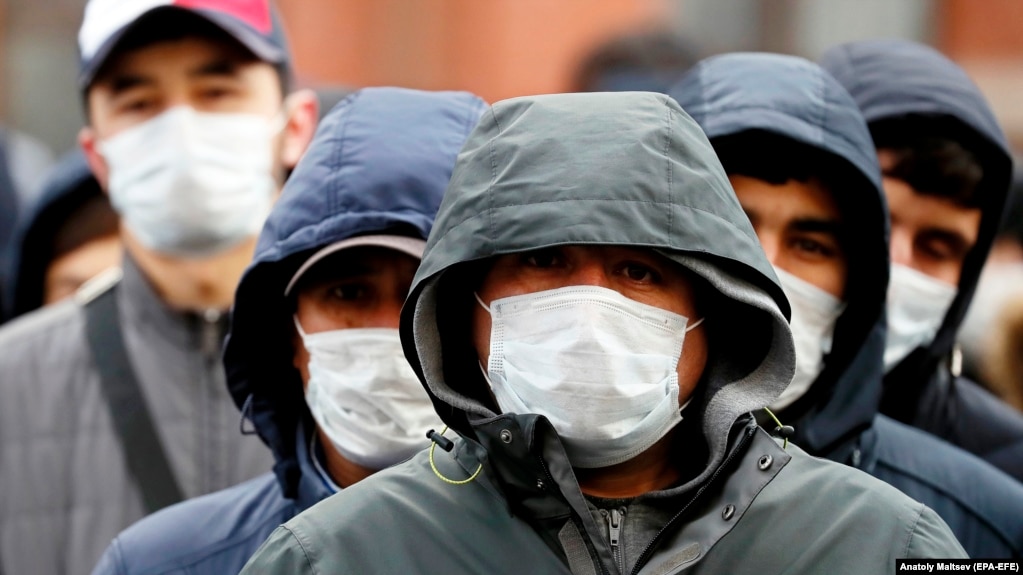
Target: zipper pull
<point>614,527</point>
<point>210,336</point>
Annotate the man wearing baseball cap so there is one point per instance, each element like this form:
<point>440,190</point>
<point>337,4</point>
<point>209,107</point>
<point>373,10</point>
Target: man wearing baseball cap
<point>114,405</point>
<point>314,347</point>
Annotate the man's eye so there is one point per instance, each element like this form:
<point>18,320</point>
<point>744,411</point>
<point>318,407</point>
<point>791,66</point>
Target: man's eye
<point>134,105</point>
<point>349,292</point>
<point>813,247</point>
<point>641,273</point>
<point>541,258</point>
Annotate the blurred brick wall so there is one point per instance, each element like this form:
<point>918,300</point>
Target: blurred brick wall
<point>986,38</point>
<point>495,48</point>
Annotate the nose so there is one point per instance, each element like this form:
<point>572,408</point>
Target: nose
<point>589,271</point>
<point>388,313</point>
<point>771,246</point>
<point>901,247</point>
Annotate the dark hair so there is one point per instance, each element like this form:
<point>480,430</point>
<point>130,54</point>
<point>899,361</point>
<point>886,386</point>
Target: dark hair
<point>777,159</point>
<point>651,60</point>
<point>936,156</point>
<point>92,220</point>
<point>1012,219</point>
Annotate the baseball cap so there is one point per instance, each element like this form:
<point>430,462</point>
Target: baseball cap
<point>251,22</point>
<point>404,244</point>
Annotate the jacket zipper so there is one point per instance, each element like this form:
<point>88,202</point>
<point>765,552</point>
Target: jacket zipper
<point>209,348</point>
<point>741,447</point>
<point>614,535</point>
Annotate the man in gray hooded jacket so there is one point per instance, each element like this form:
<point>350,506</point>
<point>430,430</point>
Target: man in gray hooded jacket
<point>596,320</point>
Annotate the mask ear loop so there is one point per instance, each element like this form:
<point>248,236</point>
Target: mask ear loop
<point>483,305</point>
<point>446,445</point>
<point>695,324</point>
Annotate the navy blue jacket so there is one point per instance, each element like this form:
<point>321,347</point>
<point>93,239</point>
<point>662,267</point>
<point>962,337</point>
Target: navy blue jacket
<point>379,162</point>
<point>765,95</point>
<point>900,85</point>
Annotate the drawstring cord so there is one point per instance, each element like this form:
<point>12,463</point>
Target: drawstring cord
<point>783,430</point>
<point>438,438</point>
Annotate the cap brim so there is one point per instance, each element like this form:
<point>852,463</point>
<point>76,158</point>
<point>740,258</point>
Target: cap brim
<point>260,45</point>
<point>404,244</point>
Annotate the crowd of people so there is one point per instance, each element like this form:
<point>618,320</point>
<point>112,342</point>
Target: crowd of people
<point>711,316</point>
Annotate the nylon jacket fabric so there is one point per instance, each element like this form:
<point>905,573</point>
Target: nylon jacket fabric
<point>626,169</point>
<point>896,81</point>
<point>67,187</point>
<point>380,161</point>
<point>67,490</point>
<point>838,418</point>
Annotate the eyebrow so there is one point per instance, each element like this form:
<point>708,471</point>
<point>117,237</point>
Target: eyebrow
<point>954,239</point>
<point>216,68</point>
<point>121,83</point>
<point>817,225</point>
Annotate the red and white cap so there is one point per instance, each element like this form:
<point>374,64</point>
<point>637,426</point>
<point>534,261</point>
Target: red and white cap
<point>250,22</point>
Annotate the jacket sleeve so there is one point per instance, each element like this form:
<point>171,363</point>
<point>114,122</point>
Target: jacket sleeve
<point>932,539</point>
<point>282,553</point>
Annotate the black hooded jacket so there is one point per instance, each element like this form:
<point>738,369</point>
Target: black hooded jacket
<point>752,99</point>
<point>906,84</point>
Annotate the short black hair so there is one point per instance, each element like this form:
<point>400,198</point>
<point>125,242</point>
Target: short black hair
<point>777,159</point>
<point>934,157</point>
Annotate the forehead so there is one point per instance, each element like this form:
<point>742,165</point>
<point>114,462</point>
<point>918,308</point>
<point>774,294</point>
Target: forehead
<point>788,201</point>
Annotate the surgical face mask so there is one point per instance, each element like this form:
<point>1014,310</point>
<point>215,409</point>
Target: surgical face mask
<point>814,313</point>
<point>190,183</point>
<point>600,366</point>
<point>365,397</point>
<point>917,304</point>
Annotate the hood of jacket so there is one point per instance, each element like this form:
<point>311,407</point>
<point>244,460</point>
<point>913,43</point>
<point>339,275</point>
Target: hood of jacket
<point>379,161</point>
<point>794,99</point>
<point>626,169</point>
<point>68,186</point>
<point>898,80</point>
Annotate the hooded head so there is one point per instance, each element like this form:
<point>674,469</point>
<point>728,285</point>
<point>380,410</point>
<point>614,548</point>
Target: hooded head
<point>70,212</point>
<point>782,119</point>
<point>905,91</point>
<point>378,164</point>
<point>628,170</point>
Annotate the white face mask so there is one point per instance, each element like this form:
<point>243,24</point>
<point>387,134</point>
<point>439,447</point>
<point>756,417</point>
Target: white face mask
<point>600,366</point>
<point>190,183</point>
<point>365,397</point>
<point>814,313</point>
<point>917,304</point>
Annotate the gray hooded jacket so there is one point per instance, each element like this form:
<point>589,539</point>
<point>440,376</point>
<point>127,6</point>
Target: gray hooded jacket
<point>629,170</point>
<point>66,488</point>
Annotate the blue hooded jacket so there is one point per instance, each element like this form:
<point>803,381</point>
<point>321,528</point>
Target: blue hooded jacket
<point>903,86</point>
<point>758,96</point>
<point>380,161</point>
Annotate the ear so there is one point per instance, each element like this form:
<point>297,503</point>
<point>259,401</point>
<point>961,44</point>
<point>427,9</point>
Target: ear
<point>89,143</point>
<point>302,109</point>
